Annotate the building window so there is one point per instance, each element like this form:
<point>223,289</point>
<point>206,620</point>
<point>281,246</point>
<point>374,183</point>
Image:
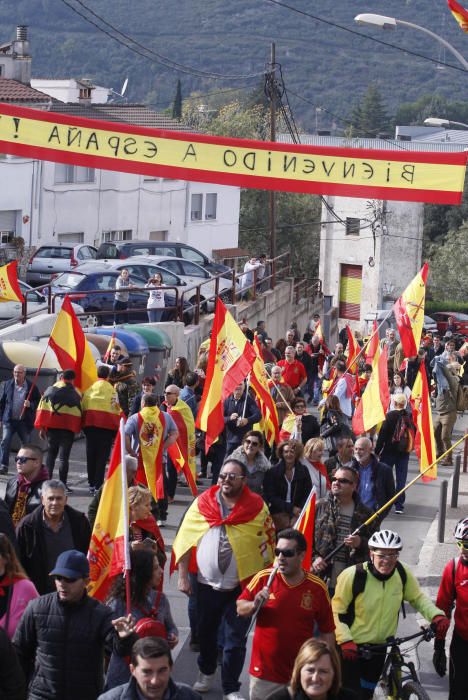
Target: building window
<point>196,207</point>
<point>353,226</point>
<point>122,235</point>
<point>73,174</point>
<point>71,238</point>
<point>210,206</point>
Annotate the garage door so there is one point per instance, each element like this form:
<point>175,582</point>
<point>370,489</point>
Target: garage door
<point>350,292</point>
<point>8,220</point>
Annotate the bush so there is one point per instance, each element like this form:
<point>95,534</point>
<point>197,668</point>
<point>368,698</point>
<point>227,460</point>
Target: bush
<point>460,306</point>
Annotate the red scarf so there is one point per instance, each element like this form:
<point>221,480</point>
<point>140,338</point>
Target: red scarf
<point>247,507</point>
<point>5,582</point>
<point>24,485</point>
<point>320,467</point>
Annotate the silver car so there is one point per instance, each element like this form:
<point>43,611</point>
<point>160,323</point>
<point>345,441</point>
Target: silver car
<point>50,260</point>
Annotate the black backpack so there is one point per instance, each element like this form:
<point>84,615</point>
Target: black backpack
<point>359,584</point>
<point>403,435</point>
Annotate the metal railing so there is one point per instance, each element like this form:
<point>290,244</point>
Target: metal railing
<point>307,288</point>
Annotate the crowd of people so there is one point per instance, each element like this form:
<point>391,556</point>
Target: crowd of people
<point>238,554</point>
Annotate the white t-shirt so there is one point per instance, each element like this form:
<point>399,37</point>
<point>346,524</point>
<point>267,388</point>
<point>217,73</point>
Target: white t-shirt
<point>156,298</point>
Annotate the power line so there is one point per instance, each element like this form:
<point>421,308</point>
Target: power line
<point>365,36</point>
<point>158,58</point>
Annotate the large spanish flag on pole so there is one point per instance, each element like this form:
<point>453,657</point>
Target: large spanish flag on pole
<point>460,14</point>
<point>367,173</point>
<point>422,417</point>
<point>9,287</point>
<point>182,452</point>
<point>259,383</point>
<point>107,549</point>
<point>409,312</point>
<point>230,360</point>
<point>374,402</point>
<point>69,343</point>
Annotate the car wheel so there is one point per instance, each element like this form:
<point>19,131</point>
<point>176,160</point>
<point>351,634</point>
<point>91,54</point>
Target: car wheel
<point>92,320</point>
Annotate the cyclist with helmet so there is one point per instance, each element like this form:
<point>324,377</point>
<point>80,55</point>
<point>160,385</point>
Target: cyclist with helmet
<point>453,591</point>
<point>366,604</point>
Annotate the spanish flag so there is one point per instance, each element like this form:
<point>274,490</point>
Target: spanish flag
<point>230,360</point>
<point>151,425</point>
<point>249,529</point>
<point>372,344</point>
<point>182,452</point>
<point>259,383</point>
<point>9,287</point>
<point>460,14</point>
<point>373,405</point>
<point>100,406</point>
<point>305,524</point>
<point>409,313</point>
<point>319,333</point>
<point>69,343</point>
<point>106,552</point>
<point>288,427</point>
<point>422,418</point>
<point>110,346</point>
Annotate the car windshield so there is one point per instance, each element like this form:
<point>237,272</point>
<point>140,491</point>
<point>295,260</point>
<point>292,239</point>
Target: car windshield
<point>54,252</point>
<point>68,279</point>
<point>460,317</point>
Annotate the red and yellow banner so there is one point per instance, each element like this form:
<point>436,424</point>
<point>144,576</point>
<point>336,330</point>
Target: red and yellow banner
<point>372,407</point>
<point>409,312</point>
<point>403,175</point>
<point>259,383</point>
<point>9,287</point>
<point>422,418</point>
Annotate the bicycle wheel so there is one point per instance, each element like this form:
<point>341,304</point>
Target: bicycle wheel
<point>412,690</point>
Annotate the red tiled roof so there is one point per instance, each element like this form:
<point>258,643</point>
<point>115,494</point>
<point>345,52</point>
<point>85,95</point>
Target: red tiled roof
<point>14,91</point>
<point>139,115</point>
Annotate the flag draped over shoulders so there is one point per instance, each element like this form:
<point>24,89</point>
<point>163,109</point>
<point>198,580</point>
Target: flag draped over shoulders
<point>230,360</point>
<point>182,452</point>
<point>69,343</point>
<point>59,408</point>
<point>151,425</point>
<point>249,529</point>
<point>100,406</point>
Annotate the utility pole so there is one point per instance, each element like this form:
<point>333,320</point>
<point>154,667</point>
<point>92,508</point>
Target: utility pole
<point>272,194</point>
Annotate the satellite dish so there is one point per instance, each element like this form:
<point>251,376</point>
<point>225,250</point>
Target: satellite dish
<point>124,87</point>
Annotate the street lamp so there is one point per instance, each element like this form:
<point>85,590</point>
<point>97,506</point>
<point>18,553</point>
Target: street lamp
<point>391,23</point>
<point>434,121</point>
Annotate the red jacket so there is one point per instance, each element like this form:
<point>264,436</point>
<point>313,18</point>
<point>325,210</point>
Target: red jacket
<point>446,597</point>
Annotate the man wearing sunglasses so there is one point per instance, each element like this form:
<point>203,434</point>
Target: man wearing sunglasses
<point>370,616</point>
<point>453,590</point>
<point>290,609</point>
<point>233,534</point>
<point>336,518</point>
<point>23,492</point>
<point>62,636</point>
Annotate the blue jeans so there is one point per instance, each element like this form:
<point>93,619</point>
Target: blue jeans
<point>155,315</point>
<point>216,608</point>
<point>314,385</point>
<point>120,306</point>
<point>9,429</point>
<point>400,461</point>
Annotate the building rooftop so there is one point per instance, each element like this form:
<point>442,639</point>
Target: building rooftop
<point>429,143</point>
<point>14,91</point>
<point>136,114</point>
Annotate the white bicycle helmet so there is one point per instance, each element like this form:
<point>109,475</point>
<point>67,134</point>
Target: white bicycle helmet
<point>385,539</point>
<point>461,530</point>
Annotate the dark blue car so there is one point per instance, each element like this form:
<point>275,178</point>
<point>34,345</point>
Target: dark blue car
<point>78,286</point>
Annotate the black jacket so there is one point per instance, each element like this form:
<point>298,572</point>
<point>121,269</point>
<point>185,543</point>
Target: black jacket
<point>61,646</point>
<point>12,683</point>
<point>32,546</point>
<point>235,433</point>
<point>34,498</point>
<point>384,483</point>
<point>275,488</point>
<point>6,403</point>
<point>175,691</point>
<point>6,525</point>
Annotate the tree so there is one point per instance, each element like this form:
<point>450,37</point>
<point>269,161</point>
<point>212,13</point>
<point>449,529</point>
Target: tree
<point>448,266</point>
<point>369,116</point>
<point>177,104</point>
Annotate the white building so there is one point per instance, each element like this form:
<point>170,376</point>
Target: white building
<point>44,202</point>
<point>72,90</point>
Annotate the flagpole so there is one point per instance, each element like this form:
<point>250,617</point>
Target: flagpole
<point>34,381</point>
<point>279,390</point>
<point>128,566</point>
<point>271,578</point>
<point>394,498</point>
<point>246,395</point>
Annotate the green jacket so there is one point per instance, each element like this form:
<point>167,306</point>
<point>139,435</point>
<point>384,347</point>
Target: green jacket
<point>377,606</point>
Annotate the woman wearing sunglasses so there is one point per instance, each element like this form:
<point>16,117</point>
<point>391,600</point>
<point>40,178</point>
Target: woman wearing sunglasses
<point>251,454</point>
<point>287,485</point>
<point>16,590</point>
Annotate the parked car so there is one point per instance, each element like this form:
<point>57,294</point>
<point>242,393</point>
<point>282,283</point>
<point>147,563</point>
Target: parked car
<point>460,321</point>
<point>126,249</point>
<point>137,268</point>
<point>79,283</point>
<point>11,310</point>
<point>48,260</point>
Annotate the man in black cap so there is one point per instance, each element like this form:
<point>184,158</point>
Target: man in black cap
<point>61,637</point>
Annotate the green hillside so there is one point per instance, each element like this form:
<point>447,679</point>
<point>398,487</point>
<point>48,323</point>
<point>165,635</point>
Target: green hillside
<point>326,66</point>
